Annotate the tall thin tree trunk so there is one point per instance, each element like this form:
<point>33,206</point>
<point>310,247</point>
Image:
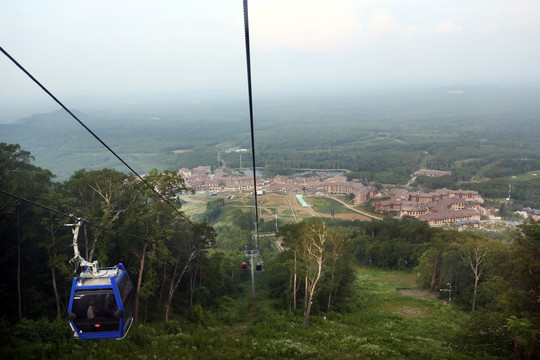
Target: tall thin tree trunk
<point>479,257</point>
<point>192,281</point>
<point>290,298</point>
<point>55,288</point>
<point>53,275</point>
<point>162,286</point>
<point>171,290</point>
<point>145,310</point>
<point>94,243</point>
<point>52,258</point>
<point>19,294</point>
<point>174,284</point>
<point>476,278</point>
<point>295,289</point>
<point>305,293</point>
<point>475,263</point>
<point>312,288</point>
<point>434,273</point>
<point>307,312</point>
<point>334,297</point>
<point>329,307</point>
<point>139,284</point>
<point>85,243</point>
<point>191,288</point>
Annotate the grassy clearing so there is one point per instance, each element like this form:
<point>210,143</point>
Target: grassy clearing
<point>274,200</point>
<point>273,203</point>
<point>396,279</point>
<point>192,205</point>
<point>324,205</point>
<point>528,176</point>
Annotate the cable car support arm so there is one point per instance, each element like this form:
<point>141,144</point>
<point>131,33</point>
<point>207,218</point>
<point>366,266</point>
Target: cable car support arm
<point>77,259</point>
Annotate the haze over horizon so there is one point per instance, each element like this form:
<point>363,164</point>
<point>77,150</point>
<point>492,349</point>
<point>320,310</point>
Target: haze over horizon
<point>103,50</point>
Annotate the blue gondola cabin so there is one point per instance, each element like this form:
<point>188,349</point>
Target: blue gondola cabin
<point>101,306</point>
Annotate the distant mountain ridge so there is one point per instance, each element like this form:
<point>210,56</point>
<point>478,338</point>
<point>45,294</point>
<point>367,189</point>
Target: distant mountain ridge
<point>433,126</point>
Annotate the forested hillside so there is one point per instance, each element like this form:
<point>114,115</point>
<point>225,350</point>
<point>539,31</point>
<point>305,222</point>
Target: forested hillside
<point>192,296</point>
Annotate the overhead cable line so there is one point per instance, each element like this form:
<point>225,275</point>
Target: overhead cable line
<point>248,62</point>
<point>93,134</point>
<point>71,216</point>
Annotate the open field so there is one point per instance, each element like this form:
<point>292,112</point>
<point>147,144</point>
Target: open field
<point>286,206</point>
<point>531,175</point>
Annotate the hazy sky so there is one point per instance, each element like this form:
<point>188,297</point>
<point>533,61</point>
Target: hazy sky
<point>89,47</point>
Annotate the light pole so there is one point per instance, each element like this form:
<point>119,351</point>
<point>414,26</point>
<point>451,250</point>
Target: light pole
<point>449,291</point>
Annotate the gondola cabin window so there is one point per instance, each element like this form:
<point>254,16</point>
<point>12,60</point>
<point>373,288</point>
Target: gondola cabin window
<point>95,310</point>
<point>125,287</point>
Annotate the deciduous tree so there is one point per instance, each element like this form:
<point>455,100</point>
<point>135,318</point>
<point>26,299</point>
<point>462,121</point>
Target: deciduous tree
<point>314,241</point>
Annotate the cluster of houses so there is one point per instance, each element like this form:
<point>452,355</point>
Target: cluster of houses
<point>439,208</point>
<point>201,179</point>
<point>461,208</point>
<point>532,213</point>
<point>431,173</point>
<point>337,185</point>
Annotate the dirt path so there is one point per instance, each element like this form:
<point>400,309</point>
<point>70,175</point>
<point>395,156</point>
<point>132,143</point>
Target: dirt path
<point>419,293</point>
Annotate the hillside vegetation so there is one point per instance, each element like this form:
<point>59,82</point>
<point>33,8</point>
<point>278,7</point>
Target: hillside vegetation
<point>381,323</point>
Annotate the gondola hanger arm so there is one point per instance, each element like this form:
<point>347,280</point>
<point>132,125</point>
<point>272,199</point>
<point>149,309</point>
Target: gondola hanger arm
<point>77,259</point>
